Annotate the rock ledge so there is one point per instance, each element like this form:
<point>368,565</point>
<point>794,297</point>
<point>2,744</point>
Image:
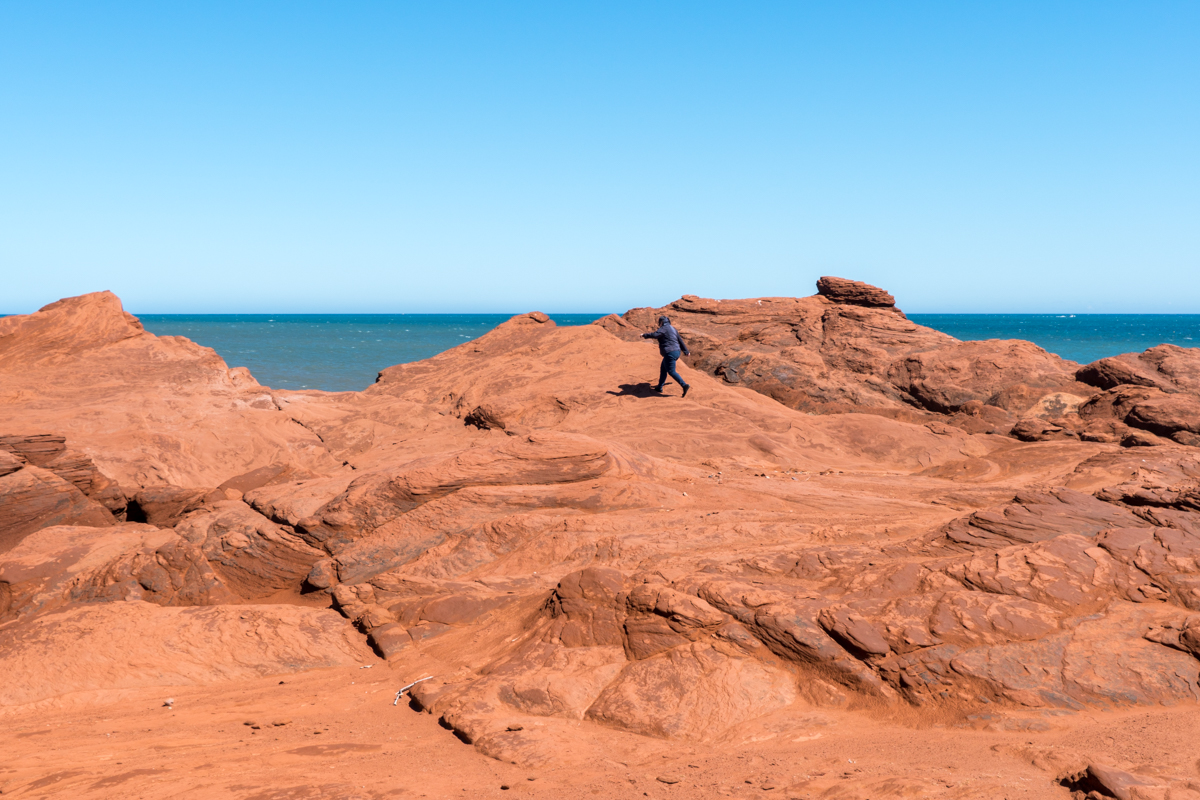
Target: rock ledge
<point>855,293</point>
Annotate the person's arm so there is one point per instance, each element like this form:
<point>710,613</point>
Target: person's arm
<point>683,345</point>
<point>658,334</point>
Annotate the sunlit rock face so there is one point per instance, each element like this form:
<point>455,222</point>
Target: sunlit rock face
<point>847,511</point>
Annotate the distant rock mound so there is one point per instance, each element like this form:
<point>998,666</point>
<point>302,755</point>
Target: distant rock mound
<point>848,349</point>
<point>86,370</point>
<point>854,293</point>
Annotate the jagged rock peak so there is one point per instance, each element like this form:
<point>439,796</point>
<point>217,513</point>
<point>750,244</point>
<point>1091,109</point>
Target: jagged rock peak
<point>855,293</point>
<point>78,323</point>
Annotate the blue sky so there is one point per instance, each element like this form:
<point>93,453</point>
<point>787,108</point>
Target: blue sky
<point>336,157</point>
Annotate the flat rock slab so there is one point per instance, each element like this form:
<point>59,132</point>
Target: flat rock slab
<point>135,644</point>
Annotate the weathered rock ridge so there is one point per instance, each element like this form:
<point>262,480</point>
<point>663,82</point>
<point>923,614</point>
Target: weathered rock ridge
<point>848,511</point>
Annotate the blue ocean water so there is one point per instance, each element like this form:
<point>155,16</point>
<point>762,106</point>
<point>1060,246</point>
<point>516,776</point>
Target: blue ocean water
<point>1083,337</point>
<point>334,352</point>
<point>339,352</point>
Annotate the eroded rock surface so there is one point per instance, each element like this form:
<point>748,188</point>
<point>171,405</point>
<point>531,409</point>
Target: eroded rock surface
<point>1002,533</point>
<point>85,370</point>
<point>849,349</point>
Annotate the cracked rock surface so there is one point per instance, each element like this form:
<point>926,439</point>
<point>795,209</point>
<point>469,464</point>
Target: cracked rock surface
<point>852,527</point>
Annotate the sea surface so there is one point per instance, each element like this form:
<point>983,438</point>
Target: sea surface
<point>334,352</point>
<point>1083,337</point>
<point>339,352</point>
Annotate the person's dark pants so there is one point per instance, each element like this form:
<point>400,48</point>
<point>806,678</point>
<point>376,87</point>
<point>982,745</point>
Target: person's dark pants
<point>668,368</point>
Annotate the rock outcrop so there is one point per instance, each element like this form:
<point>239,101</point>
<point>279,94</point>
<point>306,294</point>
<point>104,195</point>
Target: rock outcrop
<point>97,649</point>
<point>85,370</point>
<point>855,293</point>
<point>1155,393</point>
<point>966,528</point>
<point>848,349</point>
<point>42,484</point>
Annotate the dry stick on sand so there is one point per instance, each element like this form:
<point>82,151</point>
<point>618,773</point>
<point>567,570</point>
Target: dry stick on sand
<point>409,686</point>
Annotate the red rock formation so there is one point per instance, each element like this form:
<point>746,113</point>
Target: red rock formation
<point>50,452</point>
<point>1166,367</point>
<point>855,293</point>
<point>573,558</point>
<point>848,349</point>
<point>131,401</point>
<point>1155,392</point>
<point>32,498</point>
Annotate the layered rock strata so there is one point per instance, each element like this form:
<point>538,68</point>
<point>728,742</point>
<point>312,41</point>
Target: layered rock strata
<point>965,527</point>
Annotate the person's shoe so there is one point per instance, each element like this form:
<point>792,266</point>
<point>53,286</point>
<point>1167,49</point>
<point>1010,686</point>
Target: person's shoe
<point>657,389</point>
<point>685,389</point>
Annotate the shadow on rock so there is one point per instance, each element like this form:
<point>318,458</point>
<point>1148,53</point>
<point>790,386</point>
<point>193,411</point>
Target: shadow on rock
<point>636,390</point>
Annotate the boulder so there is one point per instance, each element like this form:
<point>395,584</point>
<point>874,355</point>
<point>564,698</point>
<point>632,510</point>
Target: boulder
<point>255,557</point>
<point>1166,367</point>
<point>1104,781</point>
<point>165,506</point>
<point>62,565</point>
<point>1166,415</point>
<point>32,498</point>
<point>50,452</point>
<point>855,293</point>
<point>693,692</point>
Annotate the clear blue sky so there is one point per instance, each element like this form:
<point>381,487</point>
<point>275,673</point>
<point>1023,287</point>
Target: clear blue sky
<point>570,156</point>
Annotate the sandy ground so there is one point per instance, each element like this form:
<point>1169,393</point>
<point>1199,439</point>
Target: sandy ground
<point>335,733</point>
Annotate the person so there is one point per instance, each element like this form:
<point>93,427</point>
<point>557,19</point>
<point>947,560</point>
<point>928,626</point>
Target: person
<point>670,346</point>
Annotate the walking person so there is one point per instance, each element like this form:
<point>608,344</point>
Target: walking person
<point>670,347</point>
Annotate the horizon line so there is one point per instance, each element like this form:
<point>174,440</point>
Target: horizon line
<point>617,313</point>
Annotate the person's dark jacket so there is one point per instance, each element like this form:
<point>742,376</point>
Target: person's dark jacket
<point>668,340</point>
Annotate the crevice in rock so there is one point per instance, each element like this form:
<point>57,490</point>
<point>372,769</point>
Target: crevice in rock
<point>320,438</point>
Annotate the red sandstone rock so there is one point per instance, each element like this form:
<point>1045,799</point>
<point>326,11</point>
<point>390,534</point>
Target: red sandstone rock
<point>33,498</point>
<point>98,648</point>
<point>50,452</point>
<point>254,556</point>
<point>575,557</point>
<point>165,506</point>
<point>10,463</point>
<point>856,293</point>
<point>858,355</point>
<point>61,565</point>
<point>1167,367</point>
<point>38,449</point>
<point>87,371</point>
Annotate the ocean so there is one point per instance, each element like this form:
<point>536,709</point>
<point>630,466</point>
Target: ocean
<point>1075,337</point>
<point>339,352</point>
<point>334,352</point>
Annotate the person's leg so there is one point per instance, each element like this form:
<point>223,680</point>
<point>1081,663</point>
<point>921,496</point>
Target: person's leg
<point>669,363</point>
<point>663,369</point>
